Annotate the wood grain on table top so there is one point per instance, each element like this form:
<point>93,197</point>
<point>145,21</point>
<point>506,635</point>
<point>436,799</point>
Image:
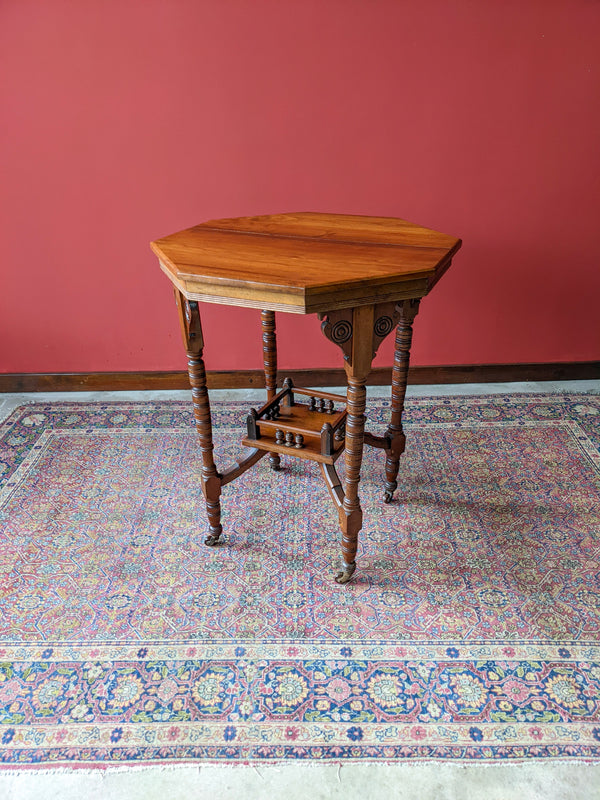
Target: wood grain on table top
<point>296,262</point>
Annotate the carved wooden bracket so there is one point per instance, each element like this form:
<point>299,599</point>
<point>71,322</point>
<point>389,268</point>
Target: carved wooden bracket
<point>337,327</point>
<point>191,328</point>
<point>385,319</point>
<point>388,315</point>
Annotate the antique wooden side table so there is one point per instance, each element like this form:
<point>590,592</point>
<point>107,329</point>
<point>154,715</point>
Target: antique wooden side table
<point>363,276</point>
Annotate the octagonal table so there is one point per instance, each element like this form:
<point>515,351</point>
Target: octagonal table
<point>363,276</point>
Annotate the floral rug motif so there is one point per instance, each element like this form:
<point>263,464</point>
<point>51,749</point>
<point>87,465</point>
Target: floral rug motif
<point>469,632</point>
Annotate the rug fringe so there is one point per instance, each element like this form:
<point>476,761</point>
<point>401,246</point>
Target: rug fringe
<point>261,767</point>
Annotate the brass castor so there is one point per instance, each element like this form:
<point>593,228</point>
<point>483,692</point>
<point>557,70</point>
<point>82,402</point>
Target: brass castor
<point>213,536</point>
<point>346,573</point>
<point>390,488</point>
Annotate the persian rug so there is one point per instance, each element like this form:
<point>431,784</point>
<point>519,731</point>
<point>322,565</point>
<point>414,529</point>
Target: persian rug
<point>470,631</point>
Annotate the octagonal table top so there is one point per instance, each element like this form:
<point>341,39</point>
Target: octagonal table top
<point>305,262</point>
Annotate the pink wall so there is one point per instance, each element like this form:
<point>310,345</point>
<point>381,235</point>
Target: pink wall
<point>130,119</point>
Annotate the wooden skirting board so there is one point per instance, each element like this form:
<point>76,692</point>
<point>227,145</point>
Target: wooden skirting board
<point>243,379</point>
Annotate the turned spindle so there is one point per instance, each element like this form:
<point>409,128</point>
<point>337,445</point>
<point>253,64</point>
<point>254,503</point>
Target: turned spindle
<point>269,339</point>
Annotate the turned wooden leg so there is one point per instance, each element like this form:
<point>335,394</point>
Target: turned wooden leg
<point>351,512</point>
<point>409,309</point>
<point>353,331</point>
<point>210,478</point>
<point>269,339</point>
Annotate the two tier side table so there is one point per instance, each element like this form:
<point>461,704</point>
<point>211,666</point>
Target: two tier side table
<point>364,277</point>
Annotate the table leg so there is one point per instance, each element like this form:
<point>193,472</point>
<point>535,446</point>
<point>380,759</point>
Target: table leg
<point>409,310</point>
<point>357,366</point>
<point>191,329</point>
<point>351,511</point>
<point>269,340</point>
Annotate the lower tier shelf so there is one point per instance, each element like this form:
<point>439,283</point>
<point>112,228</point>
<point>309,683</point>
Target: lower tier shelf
<point>313,430</point>
<point>309,452</point>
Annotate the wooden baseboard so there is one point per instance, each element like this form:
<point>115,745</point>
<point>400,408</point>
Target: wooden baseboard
<point>243,379</point>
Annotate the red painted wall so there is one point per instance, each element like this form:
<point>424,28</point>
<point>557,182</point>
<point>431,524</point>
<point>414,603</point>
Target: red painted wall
<point>126,120</point>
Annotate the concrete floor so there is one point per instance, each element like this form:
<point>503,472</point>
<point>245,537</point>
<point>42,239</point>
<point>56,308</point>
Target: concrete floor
<point>528,781</point>
<point>299,782</point>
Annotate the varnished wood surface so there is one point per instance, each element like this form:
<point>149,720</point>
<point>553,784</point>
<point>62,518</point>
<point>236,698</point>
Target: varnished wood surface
<point>254,378</point>
<point>352,228</point>
<point>311,451</point>
<point>313,419</point>
<point>408,311</point>
<point>269,339</point>
<point>333,483</point>
<point>357,367</point>
<point>300,420</point>
<point>269,352</point>
<point>193,340</point>
<point>305,262</point>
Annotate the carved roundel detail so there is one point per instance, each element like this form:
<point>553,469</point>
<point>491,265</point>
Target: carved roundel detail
<point>383,326</point>
<point>341,332</point>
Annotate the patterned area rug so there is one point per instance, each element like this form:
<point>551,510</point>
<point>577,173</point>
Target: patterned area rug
<point>470,631</point>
